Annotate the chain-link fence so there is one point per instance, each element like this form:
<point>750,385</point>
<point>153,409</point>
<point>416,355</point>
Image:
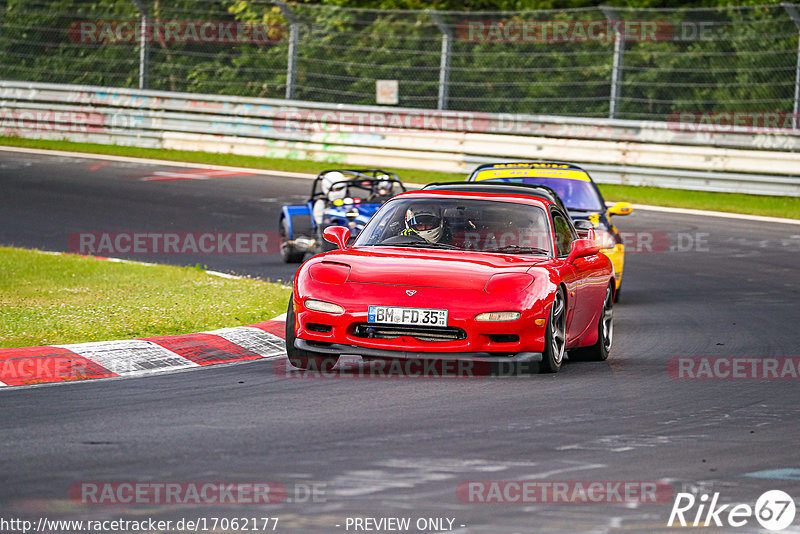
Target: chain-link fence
<point>593,62</point>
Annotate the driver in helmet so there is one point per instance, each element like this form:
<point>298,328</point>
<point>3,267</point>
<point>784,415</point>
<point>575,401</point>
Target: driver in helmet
<point>382,190</point>
<point>334,187</point>
<point>425,224</point>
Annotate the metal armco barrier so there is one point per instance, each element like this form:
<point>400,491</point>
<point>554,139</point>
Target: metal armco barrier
<point>616,151</point>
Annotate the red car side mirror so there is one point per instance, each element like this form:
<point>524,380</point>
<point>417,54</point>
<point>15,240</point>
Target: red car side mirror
<point>581,248</point>
<point>338,235</point>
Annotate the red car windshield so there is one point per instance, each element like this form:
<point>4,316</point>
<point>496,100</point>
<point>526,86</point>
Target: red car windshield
<point>460,224</point>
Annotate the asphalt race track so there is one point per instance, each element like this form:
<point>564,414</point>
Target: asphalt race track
<point>402,447</point>
<point>47,199</point>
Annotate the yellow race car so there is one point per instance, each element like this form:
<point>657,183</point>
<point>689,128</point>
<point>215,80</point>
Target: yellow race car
<point>580,195</point>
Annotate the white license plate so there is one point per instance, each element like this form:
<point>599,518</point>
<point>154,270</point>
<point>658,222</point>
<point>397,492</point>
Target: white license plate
<point>411,316</point>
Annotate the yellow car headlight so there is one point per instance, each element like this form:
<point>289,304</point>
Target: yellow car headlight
<point>604,239</point>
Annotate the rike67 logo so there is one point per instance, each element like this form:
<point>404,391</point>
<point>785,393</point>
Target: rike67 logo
<point>774,510</point>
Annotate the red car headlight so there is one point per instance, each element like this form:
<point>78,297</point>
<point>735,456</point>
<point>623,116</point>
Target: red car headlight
<point>498,316</point>
<point>329,272</point>
<point>322,306</point>
<point>508,282</point>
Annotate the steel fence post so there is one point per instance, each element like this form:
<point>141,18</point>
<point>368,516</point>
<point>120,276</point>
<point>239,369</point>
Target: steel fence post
<point>291,63</point>
<point>616,69</point>
<point>144,52</point>
<point>791,10</point>
<point>444,64</point>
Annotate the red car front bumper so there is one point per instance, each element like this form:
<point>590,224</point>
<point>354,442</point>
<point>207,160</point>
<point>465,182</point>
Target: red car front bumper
<point>351,333</point>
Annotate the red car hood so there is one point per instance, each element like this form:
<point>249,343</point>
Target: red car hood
<point>428,268</point>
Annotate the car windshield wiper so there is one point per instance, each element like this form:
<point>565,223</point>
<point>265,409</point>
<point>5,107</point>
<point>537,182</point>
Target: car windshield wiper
<point>570,209</point>
<point>419,244</point>
<point>516,249</point>
<point>446,246</point>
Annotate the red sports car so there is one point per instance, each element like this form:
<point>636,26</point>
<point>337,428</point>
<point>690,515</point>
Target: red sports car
<point>455,274</point>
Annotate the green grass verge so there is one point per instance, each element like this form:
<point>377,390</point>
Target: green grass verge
<point>773,206</point>
<point>50,299</point>
<point>786,207</point>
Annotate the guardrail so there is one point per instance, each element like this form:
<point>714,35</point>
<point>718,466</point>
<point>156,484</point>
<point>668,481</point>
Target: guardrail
<point>615,151</point>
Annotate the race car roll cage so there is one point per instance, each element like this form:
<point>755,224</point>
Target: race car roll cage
<point>355,178</point>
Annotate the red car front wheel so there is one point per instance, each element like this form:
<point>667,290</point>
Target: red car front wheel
<point>304,359</point>
<point>555,338</point>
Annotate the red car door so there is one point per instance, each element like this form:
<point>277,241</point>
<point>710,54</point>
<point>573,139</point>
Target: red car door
<point>579,277</point>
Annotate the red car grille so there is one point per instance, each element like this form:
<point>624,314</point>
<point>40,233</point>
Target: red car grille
<point>423,333</point>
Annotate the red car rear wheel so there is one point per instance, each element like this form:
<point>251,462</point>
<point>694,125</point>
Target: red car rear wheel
<point>605,333</point>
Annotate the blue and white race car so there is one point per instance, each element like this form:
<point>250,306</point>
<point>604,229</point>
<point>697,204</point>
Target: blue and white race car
<point>339,197</point>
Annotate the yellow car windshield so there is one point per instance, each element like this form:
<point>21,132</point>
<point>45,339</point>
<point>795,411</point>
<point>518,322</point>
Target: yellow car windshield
<point>573,186</point>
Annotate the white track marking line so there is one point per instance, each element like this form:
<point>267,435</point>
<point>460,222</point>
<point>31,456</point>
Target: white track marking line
<point>720,214</point>
<point>160,175</point>
<point>130,357</point>
<point>134,262</point>
<point>225,275</point>
<point>262,343</point>
<point>148,161</point>
<point>204,174</point>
